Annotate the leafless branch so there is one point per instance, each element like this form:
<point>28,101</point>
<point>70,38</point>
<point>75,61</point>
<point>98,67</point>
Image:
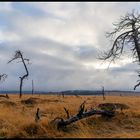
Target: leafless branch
<point>126,31</point>
<point>67,112</point>
<point>3,77</point>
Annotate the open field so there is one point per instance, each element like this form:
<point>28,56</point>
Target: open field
<point>17,119</point>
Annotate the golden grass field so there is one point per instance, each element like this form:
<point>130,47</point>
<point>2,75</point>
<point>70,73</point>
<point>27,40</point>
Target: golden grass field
<point>18,120</point>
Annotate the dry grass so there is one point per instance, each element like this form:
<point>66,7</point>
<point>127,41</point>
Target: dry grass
<point>17,117</point>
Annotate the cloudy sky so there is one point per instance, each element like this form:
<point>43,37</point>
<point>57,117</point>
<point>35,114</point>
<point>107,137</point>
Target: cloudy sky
<point>63,41</point>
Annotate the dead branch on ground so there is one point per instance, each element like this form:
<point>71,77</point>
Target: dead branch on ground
<point>61,123</point>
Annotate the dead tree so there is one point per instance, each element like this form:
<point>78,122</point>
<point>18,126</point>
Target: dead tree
<point>61,123</point>
<point>2,78</point>
<point>32,87</point>
<point>125,34</point>
<point>103,92</point>
<point>62,94</point>
<point>19,55</point>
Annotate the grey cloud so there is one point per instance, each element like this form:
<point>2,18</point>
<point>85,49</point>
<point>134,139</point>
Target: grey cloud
<point>60,45</point>
<point>127,68</point>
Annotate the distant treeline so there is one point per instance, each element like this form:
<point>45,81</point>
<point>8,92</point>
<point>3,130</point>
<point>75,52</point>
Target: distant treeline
<point>76,92</point>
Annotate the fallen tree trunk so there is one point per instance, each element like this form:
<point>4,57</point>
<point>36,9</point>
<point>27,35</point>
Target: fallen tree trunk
<point>63,123</point>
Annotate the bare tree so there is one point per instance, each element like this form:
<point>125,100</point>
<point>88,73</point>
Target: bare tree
<point>32,87</point>
<point>126,32</point>
<point>2,78</point>
<point>63,95</point>
<point>19,55</point>
<point>103,92</point>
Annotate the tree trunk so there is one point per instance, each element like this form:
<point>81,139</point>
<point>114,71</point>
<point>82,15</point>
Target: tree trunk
<point>135,37</point>
<point>103,92</point>
<point>24,76</point>
<point>21,80</point>
<point>32,87</point>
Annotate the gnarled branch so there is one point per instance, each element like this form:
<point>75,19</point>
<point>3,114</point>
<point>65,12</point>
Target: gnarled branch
<point>67,112</point>
<point>129,33</point>
<point>3,77</point>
